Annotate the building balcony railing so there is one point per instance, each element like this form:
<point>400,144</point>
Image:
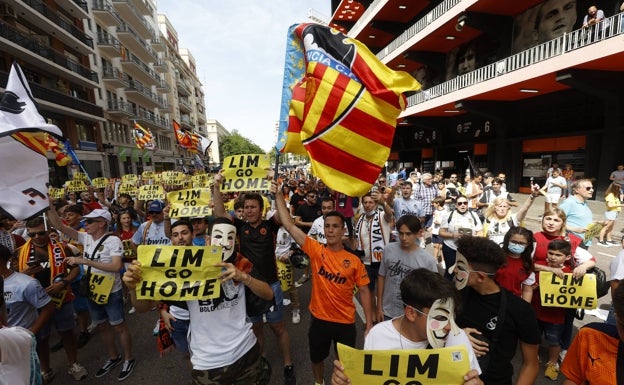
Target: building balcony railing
<point>146,73</point>
<point>32,45</point>
<point>137,86</point>
<point>103,10</point>
<point>574,40</point>
<point>115,77</point>
<point>136,42</point>
<point>152,118</point>
<point>420,25</point>
<point>108,44</point>
<point>120,107</point>
<point>53,16</point>
<point>132,16</point>
<point>184,104</point>
<point>183,86</point>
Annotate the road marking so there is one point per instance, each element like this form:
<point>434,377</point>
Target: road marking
<point>607,255</point>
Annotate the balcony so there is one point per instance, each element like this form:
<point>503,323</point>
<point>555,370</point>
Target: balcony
<point>158,44</point>
<point>141,6</point>
<point>105,13</point>
<point>138,46</point>
<point>161,66</point>
<point>184,104</point>
<point>120,108</point>
<point>108,45</point>
<point>78,8</point>
<point>185,122</point>
<point>163,86</point>
<point>183,87</point>
<point>151,120</point>
<point>132,16</point>
<point>49,21</point>
<point>24,47</point>
<point>144,95</point>
<point>201,118</point>
<point>576,48</point>
<point>114,78</point>
<point>133,66</point>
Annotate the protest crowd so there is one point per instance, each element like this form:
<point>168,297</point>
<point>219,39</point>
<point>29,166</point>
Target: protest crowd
<point>434,263</point>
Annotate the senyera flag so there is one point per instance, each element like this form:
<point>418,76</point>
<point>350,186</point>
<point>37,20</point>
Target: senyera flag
<point>23,162</point>
<point>340,108</point>
<point>143,137</point>
<point>184,138</point>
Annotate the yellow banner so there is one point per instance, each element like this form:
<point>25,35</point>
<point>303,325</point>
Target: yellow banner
<point>76,185</point>
<point>130,178</point>
<point>569,292</point>
<point>444,366</point>
<point>150,192</point>
<point>190,203</point>
<point>127,188</point>
<point>246,172</point>
<point>179,273</point>
<point>100,182</point>
<point>58,298</point>
<point>56,193</point>
<point>100,287</point>
<point>80,176</point>
<point>175,178</point>
<point>147,175</point>
<point>593,229</point>
<point>285,274</point>
<point>128,250</point>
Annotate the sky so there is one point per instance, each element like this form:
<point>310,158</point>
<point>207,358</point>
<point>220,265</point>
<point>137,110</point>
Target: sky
<point>239,48</point>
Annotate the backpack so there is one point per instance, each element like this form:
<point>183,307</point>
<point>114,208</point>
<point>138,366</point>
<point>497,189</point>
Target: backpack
<point>474,219</point>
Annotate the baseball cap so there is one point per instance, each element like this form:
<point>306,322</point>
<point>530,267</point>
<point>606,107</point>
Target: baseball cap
<point>98,213</point>
<point>156,206</point>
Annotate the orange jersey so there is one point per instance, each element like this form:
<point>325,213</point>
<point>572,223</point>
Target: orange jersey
<point>335,275</point>
<point>592,356</point>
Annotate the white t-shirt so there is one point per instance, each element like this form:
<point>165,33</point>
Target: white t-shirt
<point>23,295</point>
<point>219,335</point>
<point>155,234</point>
<point>460,221</point>
<point>17,346</point>
<point>551,188</point>
<point>111,248</point>
<point>384,336</point>
<point>617,267</point>
<point>317,231</point>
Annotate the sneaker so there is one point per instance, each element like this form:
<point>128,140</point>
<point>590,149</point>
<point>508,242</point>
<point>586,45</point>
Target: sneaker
<point>296,316</point>
<point>57,346</point>
<point>108,365</point>
<point>289,375</point>
<point>77,371</point>
<point>552,371</point>
<point>132,310</point>
<point>82,340</point>
<point>285,302</point>
<point>91,328</point>
<point>603,243</point>
<point>304,278</point>
<point>48,376</point>
<point>126,370</point>
<point>613,243</point>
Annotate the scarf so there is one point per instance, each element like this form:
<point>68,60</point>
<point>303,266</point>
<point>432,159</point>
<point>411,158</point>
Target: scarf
<point>56,254</point>
<point>378,233</point>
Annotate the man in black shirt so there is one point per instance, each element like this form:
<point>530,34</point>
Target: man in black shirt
<point>308,212</point>
<point>494,319</point>
<point>257,243</point>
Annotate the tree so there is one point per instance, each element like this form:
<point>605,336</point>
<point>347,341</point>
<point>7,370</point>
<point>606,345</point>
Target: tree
<point>236,144</point>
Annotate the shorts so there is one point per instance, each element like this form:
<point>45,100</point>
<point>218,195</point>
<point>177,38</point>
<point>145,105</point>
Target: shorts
<point>80,303</point>
<point>372,270</point>
<point>322,333</point>
<point>436,239</point>
<point>276,313</point>
<point>611,215</point>
<point>63,320</point>
<point>245,370</point>
<point>552,332</point>
<point>113,311</point>
<point>179,334</point>
<point>552,198</point>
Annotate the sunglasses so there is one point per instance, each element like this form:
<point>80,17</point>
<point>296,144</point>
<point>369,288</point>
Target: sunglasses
<point>382,181</point>
<point>312,196</point>
<point>589,188</point>
<point>90,221</point>
<point>39,233</point>
<point>461,203</point>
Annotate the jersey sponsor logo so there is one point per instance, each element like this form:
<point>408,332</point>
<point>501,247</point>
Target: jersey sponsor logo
<point>333,277</point>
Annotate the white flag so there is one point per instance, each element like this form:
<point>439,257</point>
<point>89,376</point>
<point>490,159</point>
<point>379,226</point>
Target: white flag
<point>23,162</point>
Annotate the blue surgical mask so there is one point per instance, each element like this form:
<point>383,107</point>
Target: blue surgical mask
<point>516,248</point>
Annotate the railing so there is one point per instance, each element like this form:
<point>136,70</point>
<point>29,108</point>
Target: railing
<point>135,85</point>
<point>144,67</point>
<point>365,15</point>
<point>125,28</point>
<point>105,38</point>
<point>104,5</point>
<point>53,16</point>
<point>151,117</point>
<point>121,105</point>
<point>140,17</point>
<point>54,56</point>
<point>114,73</point>
<point>574,40</point>
<point>82,4</point>
<point>420,25</point>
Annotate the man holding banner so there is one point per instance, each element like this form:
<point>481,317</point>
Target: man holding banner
<point>257,243</point>
<point>103,257</point>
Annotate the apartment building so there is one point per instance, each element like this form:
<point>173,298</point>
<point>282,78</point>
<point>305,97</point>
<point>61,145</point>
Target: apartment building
<point>509,86</point>
<point>98,67</point>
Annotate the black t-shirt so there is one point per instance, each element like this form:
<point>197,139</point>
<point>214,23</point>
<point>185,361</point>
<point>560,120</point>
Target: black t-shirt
<point>308,214</point>
<point>258,245</point>
<point>481,312</point>
<point>297,200</point>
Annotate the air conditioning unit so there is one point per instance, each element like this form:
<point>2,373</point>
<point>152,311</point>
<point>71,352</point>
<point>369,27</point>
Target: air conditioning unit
<point>7,11</point>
